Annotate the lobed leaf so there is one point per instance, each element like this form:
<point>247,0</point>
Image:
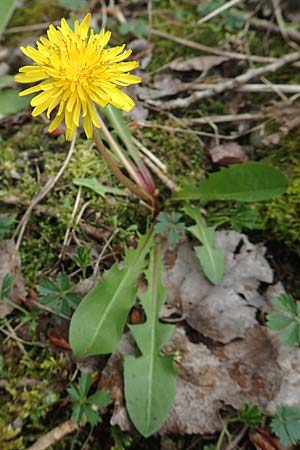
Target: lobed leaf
<point>97,324</point>
<point>212,259</point>
<point>286,424</point>
<point>150,379</point>
<point>248,182</point>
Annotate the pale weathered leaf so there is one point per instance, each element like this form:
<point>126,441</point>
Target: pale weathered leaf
<point>10,263</point>
<point>227,154</point>
<point>198,63</point>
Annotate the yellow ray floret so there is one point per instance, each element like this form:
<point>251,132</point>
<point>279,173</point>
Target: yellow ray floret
<point>75,72</point>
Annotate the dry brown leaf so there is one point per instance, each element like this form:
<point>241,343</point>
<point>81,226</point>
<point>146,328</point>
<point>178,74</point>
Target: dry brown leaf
<point>198,63</point>
<point>10,263</point>
<point>289,363</point>
<point>240,362</point>
<point>207,380</point>
<point>263,441</point>
<point>164,86</point>
<point>226,154</point>
<point>224,312</point>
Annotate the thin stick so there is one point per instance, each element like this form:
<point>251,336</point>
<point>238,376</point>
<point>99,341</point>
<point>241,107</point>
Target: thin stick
<point>155,169</point>
<point>229,85</point>
<point>20,340</point>
<point>218,11</point>
<point>45,191</point>
<point>49,310</point>
<point>70,224</point>
<point>262,24</point>
<point>225,118</point>
<point>150,155</point>
<point>106,245</point>
<point>254,87</point>
<point>212,50</point>
<point>55,435</point>
<point>237,439</point>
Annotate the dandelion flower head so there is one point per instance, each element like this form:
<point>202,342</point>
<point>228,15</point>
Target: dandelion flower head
<point>75,72</point>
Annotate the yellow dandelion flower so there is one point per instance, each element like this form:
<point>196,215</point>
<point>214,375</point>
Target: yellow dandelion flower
<point>76,71</point>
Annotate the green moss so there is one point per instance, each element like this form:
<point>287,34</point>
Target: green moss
<point>33,12</point>
<point>174,147</point>
<point>32,388</point>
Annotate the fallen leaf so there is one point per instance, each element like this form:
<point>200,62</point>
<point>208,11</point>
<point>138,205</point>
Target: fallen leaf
<point>263,441</point>
<point>224,312</point>
<point>206,381</point>
<point>10,263</point>
<point>226,154</point>
<point>198,63</point>
<point>58,340</point>
<point>289,362</point>
<point>164,86</point>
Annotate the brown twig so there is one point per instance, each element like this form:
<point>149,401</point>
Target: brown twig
<point>218,11</point>
<point>266,25</point>
<point>250,87</point>
<point>237,438</point>
<point>54,435</point>
<point>226,118</point>
<point>229,85</point>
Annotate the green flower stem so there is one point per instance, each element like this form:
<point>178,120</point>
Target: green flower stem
<point>140,193</point>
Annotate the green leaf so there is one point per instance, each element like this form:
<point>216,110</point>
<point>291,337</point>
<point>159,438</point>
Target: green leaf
<point>92,417</point>
<point>7,8</point>
<point>58,296</point>
<point>291,336</point>
<point>211,258</point>
<point>74,393</point>
<point>100,398</point>
<point>104,310</point>
<point>277,322</point>
<point>73,4</point>
<point>250,415</point>
<point>291,323</point>
<point>212,262</point>
<point>286,303</point>
<point>6,81</point>
<point>11,102</point>
<point>150,379</point>
<point>7,284</point>
<point>6,223</point>
<point>85,382</point>
<point>249,182</point>
<point>286,424</point>
<point>170,223</point>
<point>77,413</point>
<point>96,186</point>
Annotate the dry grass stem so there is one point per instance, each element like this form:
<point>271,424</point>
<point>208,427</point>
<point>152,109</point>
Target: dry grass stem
<point>218,11</point>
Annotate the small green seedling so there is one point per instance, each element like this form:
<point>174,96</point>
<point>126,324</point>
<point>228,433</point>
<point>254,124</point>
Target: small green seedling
<point>84,406</point>
<point>6,223</point>
<point>59,296</point>
<point>170,223</point>
<point>288,320</point>
<point>286,424</point>
<point>82,258</point>
<point>250,415</point>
